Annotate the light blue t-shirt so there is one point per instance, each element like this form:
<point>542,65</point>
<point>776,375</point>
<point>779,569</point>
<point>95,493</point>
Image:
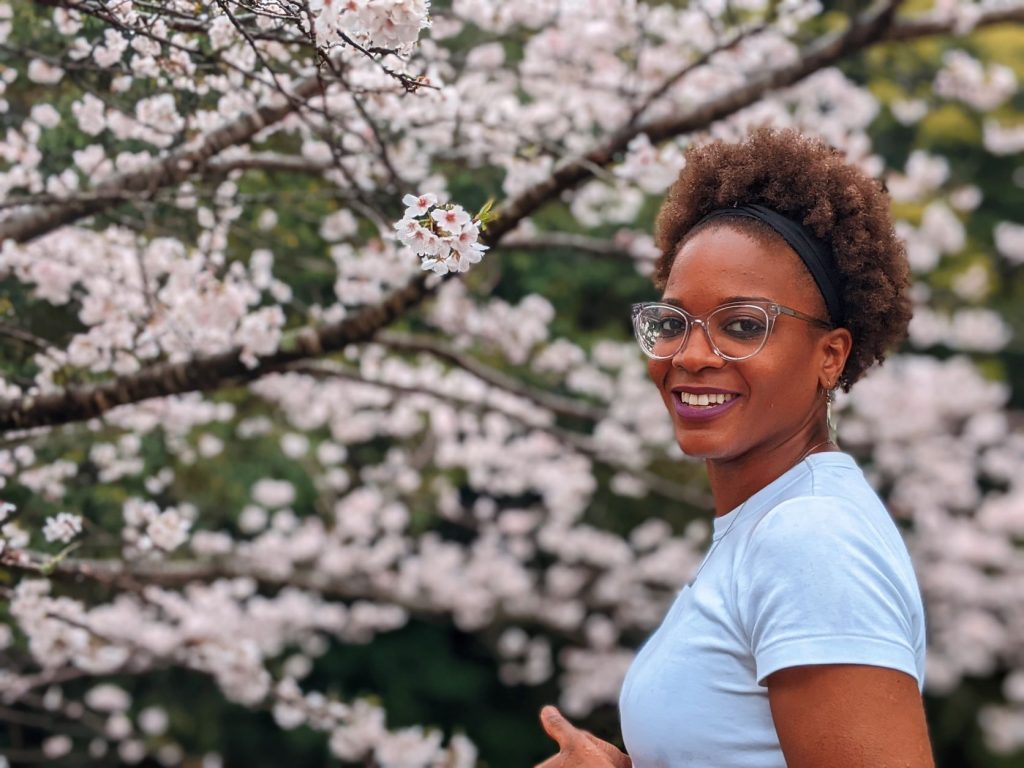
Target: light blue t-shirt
<point>810,570</point>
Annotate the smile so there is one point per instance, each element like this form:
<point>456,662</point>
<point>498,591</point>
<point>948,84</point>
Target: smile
<point>706,405</point>
<point>716,398</point>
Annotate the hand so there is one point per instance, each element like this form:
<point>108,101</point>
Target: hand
<point>576,748</point>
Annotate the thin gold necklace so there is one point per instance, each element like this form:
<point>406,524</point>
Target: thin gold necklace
<point>739,512</point>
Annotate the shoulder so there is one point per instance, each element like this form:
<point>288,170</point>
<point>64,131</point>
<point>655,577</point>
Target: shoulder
<point>832,503</point>
<point>831,479</point>
<point>827,581</point>
<point>834,549</point>
<point>822,523</point>
<point>828,544</point>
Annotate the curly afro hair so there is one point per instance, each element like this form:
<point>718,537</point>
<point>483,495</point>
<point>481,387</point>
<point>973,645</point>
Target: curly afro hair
<point>808,181</point>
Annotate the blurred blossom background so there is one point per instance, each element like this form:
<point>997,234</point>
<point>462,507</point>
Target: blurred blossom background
<point>324,439</point>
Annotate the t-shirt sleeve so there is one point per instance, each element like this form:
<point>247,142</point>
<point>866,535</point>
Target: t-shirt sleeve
<point>818,584</point>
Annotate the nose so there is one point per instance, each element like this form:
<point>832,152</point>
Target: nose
<point>696,353</point>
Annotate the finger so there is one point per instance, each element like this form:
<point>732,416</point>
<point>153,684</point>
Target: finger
<point>613,753</point>
<point>557,727</point>
<point>603,746</point>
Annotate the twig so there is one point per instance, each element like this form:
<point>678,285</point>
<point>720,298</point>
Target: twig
<point>564,406</point>
<point>568,241</point>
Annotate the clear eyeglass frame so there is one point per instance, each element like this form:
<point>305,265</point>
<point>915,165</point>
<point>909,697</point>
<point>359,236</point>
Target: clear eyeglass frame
<point>769,309</point>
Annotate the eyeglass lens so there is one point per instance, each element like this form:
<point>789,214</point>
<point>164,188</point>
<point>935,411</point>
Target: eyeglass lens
<point>737,331</point>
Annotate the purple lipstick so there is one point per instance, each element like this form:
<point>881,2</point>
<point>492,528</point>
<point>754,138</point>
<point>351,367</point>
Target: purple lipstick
<point>702,403</point>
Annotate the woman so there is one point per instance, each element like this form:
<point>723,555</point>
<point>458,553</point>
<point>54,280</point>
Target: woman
<point>800,639</point>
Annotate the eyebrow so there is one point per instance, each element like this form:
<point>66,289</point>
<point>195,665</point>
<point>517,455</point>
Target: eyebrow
<point>728,300</point>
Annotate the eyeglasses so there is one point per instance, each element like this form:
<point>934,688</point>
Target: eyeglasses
<point>735,331</point>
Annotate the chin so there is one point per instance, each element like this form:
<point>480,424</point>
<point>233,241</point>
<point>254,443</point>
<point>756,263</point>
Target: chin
<point>703,447</point>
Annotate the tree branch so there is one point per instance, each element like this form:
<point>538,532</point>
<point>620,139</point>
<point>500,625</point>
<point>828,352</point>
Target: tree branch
<point>941,24</point>
<point>200,374</point>
<point>24,337</point>
<point>268,161</point>
<point>689,67</point>
<point>172,169</point>
<point>564,406</point>
<point>569,241</point>
<point>864,31</point>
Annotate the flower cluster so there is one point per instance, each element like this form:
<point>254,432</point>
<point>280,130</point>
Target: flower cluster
<point>150,529</point>
<point>966,79</point>
<point>63,528</point>
<point>445,237</point>
<point>383,23</point>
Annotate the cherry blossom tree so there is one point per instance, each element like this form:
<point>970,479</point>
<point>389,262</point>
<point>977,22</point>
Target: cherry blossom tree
<point>296,357</point>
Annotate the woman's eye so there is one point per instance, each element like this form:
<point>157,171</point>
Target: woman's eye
<point>670,326</point>
<point>743,326</point>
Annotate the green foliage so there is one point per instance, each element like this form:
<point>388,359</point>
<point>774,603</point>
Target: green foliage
<point>432,673</point>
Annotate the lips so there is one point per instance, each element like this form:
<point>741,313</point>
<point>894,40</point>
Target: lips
<point>702,403</point>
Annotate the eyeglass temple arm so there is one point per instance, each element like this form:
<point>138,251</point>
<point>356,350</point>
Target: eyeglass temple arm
<point>801,316</point>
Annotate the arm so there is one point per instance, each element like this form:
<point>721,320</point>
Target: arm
<point>835,622</point>
<point>849,716</point>
<point>576,748</point>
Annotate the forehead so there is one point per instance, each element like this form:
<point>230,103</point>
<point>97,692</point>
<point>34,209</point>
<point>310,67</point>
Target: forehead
<point>719,264</point>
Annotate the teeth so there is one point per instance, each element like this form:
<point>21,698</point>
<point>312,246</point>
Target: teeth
<point>705,400</point>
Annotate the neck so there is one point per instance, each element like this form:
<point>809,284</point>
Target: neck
<point>736,479</point>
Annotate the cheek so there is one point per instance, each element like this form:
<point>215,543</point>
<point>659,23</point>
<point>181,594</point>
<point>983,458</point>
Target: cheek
<point>657,370</point>
<point>779,382</point>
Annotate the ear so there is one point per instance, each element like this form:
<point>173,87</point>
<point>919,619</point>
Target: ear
<point>835,348</point>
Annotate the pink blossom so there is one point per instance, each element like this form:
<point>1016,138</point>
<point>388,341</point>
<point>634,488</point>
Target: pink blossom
<point>452,219</point>
<point>417,206</point>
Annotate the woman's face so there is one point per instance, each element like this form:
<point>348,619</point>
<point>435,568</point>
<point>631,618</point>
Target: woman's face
<point>776,396</point>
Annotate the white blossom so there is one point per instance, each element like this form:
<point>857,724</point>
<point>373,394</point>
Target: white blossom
<point>89,112</point>
<point>1009,238</point>
<point>57,746</point>
<point>273,493</point>
<point>63,527</point>
<point>153,720</point>
<point>965,78</point>
<point>923,174</point>
<point>108,698</point>
<point>168,530</point>
<point>40,71</point>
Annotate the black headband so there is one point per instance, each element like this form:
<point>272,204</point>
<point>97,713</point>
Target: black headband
<point>813,251</point>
